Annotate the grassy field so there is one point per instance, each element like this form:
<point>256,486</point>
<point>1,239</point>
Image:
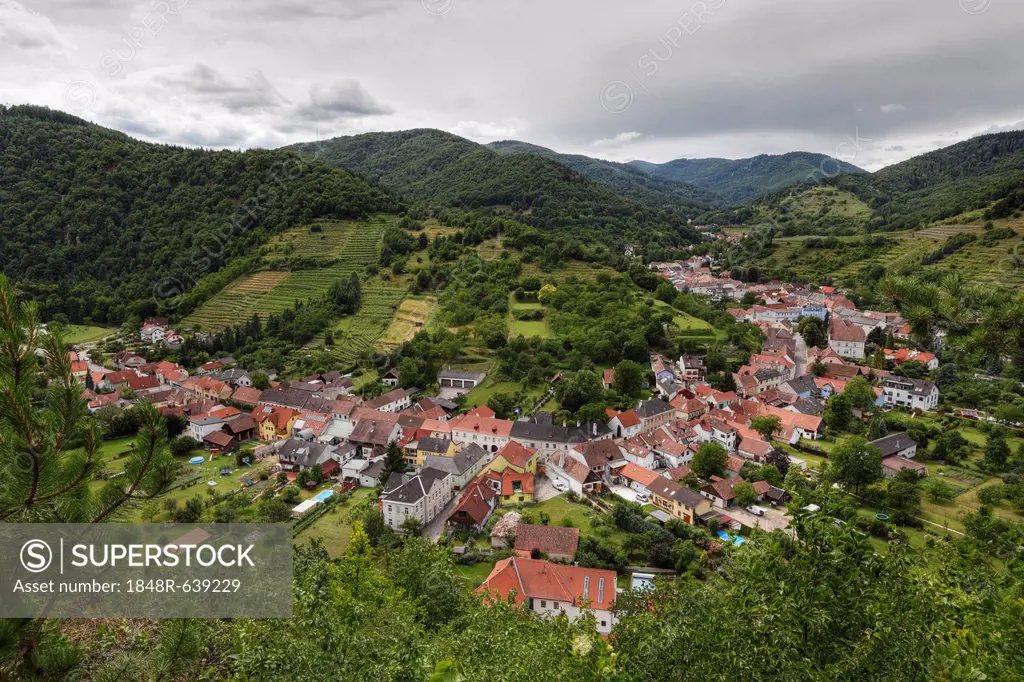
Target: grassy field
<point>298,265</point>
<point>482,393</point>
<point>77,333</point>
<point>581,516</point>
<point>527,328</point>
<point>412,315</point>
<point>335,527</point>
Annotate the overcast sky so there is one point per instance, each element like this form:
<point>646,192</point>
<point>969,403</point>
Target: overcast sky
<point>870,81</point>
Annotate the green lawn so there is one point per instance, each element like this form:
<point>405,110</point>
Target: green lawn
<point>481,394</point>
<point>581,516</point>
<point>335,527</point>
<point>76,333</point>
<point>474,575</point>
<point>530,328</point>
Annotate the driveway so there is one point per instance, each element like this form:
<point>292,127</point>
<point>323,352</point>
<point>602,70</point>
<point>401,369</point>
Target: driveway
<point>773,519</point>
<point>436,527</point>
<point>626,493</point>
<point>543,490</point>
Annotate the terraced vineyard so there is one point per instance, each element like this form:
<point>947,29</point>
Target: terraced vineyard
<point>340,248</point>
<point>355,335</point>
<point>998,264</point>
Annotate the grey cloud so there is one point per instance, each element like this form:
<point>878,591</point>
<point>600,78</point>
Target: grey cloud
<point>343,99</point>
<point>254,93</point>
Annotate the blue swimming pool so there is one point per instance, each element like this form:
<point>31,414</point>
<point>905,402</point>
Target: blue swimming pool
<point>738,541</point>
<point>323,495</point>
<point>197,460</point>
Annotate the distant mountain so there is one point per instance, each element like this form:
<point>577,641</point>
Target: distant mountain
<point>985,172</point>
<point>435,169</point>
<point>623,178</point>
<point>946,182</point>
<point>742,180</point>
<point>97,225</point>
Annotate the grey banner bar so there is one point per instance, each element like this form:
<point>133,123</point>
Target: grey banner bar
<point>146,570</point>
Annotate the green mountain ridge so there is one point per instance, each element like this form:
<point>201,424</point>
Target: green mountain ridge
<point>743,180</point>
<point>98,226</point>
<point>435,171</point>
<point>623,178</point>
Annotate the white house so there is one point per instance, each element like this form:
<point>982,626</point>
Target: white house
<point>421,497</point>
<point>552,590</point>
<point>847,339</point>
<point>912,394</point>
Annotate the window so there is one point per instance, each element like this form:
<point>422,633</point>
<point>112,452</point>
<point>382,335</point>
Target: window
<point>543,604</point>
<point>604,623</point>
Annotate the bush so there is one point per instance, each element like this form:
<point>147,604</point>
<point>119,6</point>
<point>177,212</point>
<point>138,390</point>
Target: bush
<point>184,445</point>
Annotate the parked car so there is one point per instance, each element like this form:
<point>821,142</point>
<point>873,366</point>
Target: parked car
<point>755,510</point>
<point>560,485</point>
<point>643,498</point>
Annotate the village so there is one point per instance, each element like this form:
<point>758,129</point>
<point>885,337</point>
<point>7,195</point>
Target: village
<point>459,471</point>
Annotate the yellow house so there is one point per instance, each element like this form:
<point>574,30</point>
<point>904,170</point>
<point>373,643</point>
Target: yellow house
<point>438,447</point>
<point>274,423</point>
<point>516,457</point>
<point>679,501</point>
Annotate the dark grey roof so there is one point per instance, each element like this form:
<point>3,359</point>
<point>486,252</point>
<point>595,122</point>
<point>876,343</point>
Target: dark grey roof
<point>304,453</point>
<point>429,444</point>
<point>811,406</point>
<point>462,462</point>
<point>916,386</point>
<point>415,488</point>
<point>296,399</point>
<point>893,444</point>
<point>670,490</point>
<point>804,384</point>
<point>652,408</point>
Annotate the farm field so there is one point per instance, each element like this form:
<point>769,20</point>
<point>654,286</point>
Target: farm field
<point>77,333</point>
<point>327,251</point>
<point>412,315</point>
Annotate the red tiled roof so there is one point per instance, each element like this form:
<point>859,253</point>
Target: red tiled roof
<point>516,454</point>
<point>547,539</point>
<point>538,579</point>
<point>635,472</point>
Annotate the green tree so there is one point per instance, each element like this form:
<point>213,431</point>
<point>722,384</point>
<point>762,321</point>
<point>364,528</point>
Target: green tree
<point>861,394</point>
<point>855,464</point>
<point>813,331</point>
<point>629,378</point>
<point>578,389</point>
<point>997,452</point>
<point>394,462</point>
<point>260,381</point>
<point>766,425</point>
<point>710,460</point>
<point>838,415</point>
<point>745,494</point>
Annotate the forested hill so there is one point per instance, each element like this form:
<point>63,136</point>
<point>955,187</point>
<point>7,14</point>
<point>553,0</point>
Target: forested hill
<point>92,222</point>
<point>741,180</point>
<point>947,182</point>
<point>437,170</point>
<point>628,181</point>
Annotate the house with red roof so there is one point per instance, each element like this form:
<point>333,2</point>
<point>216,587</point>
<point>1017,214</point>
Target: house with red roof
<point>487,432</point>
<point>551,590</point>
<point>475,506</point>
<point>624,424</point>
